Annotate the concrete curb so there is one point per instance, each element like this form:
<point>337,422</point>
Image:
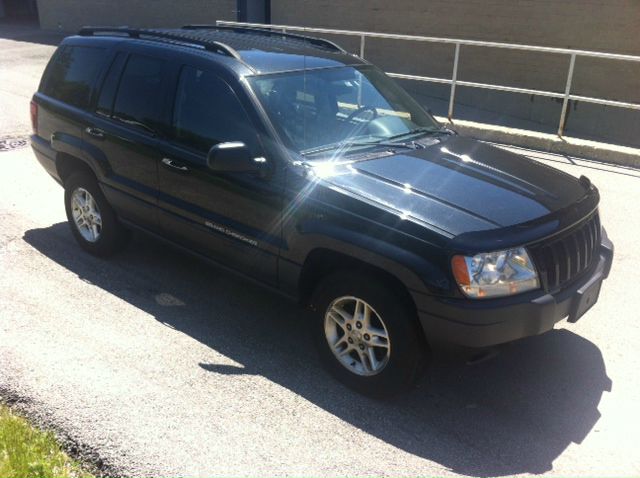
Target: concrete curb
<point>581,148</point>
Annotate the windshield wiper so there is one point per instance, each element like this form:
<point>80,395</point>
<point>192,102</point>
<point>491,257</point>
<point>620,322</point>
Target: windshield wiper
<point>416,131</point>
<point>350,144</point>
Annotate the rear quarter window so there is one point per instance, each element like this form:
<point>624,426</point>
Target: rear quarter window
<point>72,74</point>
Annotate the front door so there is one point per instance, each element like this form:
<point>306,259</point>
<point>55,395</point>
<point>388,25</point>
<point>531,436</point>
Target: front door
<point>231,217</point>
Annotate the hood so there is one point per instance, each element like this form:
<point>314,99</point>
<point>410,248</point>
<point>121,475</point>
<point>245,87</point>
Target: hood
<point>460,185</point>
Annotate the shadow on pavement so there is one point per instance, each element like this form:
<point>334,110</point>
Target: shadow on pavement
<point>510,415</point>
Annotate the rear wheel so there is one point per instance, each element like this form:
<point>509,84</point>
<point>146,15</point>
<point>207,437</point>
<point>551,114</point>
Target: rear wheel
<point>367,335</point>
<point>92,220</point>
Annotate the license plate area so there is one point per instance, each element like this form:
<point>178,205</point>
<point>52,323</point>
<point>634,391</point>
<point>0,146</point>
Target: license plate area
<point>584,299</point>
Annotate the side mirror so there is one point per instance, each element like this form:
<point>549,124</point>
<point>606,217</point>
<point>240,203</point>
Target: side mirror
<point>233,157</point>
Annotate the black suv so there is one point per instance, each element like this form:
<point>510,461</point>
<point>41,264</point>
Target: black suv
<point>288,160</point>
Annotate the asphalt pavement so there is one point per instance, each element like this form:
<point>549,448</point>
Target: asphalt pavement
<point>151,363</point>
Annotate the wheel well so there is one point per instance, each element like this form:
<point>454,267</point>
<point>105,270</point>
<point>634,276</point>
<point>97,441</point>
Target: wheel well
<point>322,262</point>
<point>66,165</point>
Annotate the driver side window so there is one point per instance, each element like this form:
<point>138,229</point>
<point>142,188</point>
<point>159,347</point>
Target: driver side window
<point>207,112</point>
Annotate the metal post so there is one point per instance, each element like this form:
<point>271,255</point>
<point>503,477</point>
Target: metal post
<point>454,77</point>
<point>362,37</point>
<point>567,91</point>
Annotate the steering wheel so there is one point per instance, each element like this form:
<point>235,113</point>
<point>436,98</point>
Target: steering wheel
<point>361,110</point>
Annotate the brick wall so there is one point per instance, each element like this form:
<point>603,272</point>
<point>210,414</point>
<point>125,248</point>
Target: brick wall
<point>611,25</point>
<point>69,15</point>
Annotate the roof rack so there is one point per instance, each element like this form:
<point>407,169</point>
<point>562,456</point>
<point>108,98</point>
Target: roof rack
<point>176,36</point>
<point>265,31</point>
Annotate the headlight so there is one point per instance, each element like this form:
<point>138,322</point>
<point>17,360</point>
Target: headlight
<point>495,274</point>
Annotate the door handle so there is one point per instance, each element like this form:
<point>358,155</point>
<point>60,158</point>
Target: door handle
<point>95,132</point>
<point>170,163</point>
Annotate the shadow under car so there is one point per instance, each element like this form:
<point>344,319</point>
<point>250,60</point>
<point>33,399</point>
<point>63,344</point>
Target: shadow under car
<point>513,414</point>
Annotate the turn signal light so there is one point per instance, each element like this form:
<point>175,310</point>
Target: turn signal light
<point>460,270</point>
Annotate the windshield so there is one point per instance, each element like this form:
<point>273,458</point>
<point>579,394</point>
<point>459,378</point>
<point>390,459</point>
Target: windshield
<point>341,108</point>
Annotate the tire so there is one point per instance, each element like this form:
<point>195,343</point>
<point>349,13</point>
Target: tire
<point>400,363</point>
<point>107,237</point>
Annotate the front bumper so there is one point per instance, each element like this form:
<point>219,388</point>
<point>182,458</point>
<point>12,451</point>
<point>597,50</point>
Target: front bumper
<point>484,323</point>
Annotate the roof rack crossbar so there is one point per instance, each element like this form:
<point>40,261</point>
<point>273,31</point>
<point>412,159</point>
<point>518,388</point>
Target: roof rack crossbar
<point>266,31</point>
<point>207,44</point>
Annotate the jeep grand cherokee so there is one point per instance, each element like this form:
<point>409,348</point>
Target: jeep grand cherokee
<point>307,169</point>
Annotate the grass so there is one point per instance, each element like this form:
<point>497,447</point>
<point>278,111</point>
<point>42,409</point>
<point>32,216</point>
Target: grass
<point>27,452</point>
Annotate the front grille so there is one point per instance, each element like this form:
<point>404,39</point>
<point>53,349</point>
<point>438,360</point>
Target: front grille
<point>566,257</point>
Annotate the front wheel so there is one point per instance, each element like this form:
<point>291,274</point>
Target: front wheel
<point>367,335</point>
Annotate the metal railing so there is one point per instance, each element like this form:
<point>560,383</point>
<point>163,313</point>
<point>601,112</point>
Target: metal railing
<point>566,96</point>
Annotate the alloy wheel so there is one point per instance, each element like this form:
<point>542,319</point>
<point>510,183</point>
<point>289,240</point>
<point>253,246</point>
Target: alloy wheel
<point>86,215</point>
<point>357,336</point>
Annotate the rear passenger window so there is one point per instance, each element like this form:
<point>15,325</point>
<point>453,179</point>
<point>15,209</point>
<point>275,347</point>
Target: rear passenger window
<point>73,73</point>
<point>140,98</point>
<point>109,86</point>
<point>207,112</point>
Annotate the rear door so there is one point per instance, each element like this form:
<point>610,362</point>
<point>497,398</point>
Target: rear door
<point>233,218</point>
<point>130,119</point>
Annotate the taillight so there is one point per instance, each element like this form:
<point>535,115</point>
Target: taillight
<point>34,117</point>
